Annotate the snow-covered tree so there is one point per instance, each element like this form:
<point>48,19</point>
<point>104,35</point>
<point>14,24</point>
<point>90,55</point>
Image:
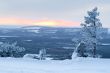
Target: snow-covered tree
<point>89,36</point>
<point>42,54</point>
<point>8,50</point>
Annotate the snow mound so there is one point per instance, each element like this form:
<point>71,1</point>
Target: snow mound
<point>31,56</point>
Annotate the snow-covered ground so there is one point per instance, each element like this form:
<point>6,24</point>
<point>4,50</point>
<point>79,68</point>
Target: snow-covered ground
<point>78,65</point>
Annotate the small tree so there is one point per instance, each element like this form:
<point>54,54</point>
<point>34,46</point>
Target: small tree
<point>42,54</point>
<point>89,32</point>
<point>8,50</point>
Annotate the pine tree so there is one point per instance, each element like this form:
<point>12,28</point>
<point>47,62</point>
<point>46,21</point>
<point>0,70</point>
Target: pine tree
<point>90,28</point>
<point>89,34</point>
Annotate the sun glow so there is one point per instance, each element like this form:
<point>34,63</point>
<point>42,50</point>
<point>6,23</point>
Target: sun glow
<point>45,23</point>
<point>56,23</point>
<point>16,21</point>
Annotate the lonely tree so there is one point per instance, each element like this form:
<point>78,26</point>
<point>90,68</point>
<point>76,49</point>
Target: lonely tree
<point>89,34</point>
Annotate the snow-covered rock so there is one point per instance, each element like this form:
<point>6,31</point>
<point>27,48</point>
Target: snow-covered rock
<point>31,56</point>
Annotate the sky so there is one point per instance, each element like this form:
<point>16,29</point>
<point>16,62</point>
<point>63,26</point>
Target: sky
<point>69,13</point>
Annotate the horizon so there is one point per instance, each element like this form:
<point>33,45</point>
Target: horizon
<point>20,26</point>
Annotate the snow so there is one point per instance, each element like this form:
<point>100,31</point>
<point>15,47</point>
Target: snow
<point>31,56</point>
<point>28,40</point>
<point>8,36</point>
<point>68,47</point>
<point>35,31</point>
<point>78,65</point>
<point>32,27</point>
<point>105,44</point>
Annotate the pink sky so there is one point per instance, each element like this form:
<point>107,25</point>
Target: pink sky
<point>46,22</point>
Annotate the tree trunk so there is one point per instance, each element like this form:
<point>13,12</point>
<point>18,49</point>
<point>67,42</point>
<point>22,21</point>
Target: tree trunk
<point>95,37</point>
<point>94,50</point>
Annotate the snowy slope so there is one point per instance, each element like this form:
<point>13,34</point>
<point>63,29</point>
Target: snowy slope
<point>11,65</point>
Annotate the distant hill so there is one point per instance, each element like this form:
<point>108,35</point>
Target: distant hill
<point>57,40</point>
